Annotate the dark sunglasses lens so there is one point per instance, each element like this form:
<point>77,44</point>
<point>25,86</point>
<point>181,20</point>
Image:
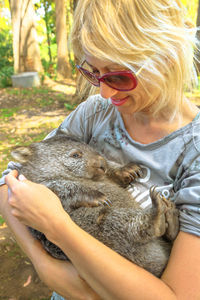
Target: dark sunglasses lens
<point>121,82</point>
<point>89,76</point>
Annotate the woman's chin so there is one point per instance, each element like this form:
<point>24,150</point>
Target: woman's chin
<point>129,107</point>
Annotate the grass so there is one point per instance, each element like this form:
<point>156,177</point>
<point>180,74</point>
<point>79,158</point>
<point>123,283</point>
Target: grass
<point>43,102</point>
<point>6,113</point>
<point>28,91</point>
<point>18,128</point>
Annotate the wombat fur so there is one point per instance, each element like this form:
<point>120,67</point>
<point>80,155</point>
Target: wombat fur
<point>92,191</point>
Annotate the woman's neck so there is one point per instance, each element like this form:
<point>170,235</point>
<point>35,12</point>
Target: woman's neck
<point>145,128</point>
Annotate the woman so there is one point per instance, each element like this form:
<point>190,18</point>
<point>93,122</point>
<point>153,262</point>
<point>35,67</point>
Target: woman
<point>140,55</point>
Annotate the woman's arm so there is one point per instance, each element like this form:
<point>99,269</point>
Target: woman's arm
<point>58,275</point>
<point>109,274</point>
<point>183,271</point>
<point>113,277</point>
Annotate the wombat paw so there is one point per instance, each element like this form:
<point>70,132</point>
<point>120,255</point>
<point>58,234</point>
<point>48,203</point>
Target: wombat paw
<point>103,201</point>
<point>91,199</point>
<point>166,218</point>
<point>128,174</point>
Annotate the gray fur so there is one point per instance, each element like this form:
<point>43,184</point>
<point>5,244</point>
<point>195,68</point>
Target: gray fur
<point>92,191</point>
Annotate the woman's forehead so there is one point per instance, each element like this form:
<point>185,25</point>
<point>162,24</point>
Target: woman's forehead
<point>102,63</point>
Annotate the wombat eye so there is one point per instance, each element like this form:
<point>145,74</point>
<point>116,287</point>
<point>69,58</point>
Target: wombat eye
<point>76,154</point>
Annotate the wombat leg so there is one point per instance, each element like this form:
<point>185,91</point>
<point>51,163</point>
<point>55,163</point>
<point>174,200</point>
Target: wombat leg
<point>166,221</point>
<point>125,175</point>
<point>159,207</point>
<point>172,220</point>
<point>91,199</point>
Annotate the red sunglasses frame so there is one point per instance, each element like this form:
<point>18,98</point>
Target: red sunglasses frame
<point>102,78</point>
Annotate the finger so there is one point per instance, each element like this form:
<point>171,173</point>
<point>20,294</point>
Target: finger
<point>15,212</point>
<point>11,179</point>
<point>14,173</point>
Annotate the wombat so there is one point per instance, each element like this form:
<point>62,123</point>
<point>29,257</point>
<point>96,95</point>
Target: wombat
<point>92,191</point>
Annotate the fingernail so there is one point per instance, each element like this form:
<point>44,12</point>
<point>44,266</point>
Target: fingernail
<point>21,177</point>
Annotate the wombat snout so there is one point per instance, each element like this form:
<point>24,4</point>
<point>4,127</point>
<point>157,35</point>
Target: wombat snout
<point>98,165</point>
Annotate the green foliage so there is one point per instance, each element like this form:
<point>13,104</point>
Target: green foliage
<point>49,67</point>
<point>6,53</point>
<point>6,57</point>
<point>45,9</point>
<point>5,76</point>
<point>46,30</point>
<point>1,220</point>
<point>69,106</point>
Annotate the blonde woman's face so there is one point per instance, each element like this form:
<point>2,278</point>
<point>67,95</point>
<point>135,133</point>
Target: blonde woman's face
<point>127,102</point>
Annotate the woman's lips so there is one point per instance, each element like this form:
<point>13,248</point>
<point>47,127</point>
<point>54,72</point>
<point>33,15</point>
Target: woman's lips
<point>119,102</point>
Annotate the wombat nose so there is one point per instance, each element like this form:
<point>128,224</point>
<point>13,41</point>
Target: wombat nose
<point>98,162</point>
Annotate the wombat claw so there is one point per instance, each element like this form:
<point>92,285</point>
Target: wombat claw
<point>105,202</point>
<point>100,200</point>
<point>127,174</point>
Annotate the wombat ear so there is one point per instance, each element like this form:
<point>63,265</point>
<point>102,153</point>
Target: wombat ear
<point>21,154</point>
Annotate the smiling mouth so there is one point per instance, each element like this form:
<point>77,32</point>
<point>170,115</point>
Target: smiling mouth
<point>119,102</point>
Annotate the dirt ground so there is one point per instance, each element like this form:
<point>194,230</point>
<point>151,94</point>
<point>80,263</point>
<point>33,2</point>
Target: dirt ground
<point>18,279</point>
<point>26,115</point>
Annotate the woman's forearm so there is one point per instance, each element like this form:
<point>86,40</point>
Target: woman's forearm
<point>109,274</point>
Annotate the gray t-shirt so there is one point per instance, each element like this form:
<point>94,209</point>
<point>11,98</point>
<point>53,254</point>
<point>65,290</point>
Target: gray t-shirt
<point>171,163</point>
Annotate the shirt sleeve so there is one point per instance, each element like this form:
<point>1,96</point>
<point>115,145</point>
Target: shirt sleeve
<point>188,199</point>
<point>80,122</point>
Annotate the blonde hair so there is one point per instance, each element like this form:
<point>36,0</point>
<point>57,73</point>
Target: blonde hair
<point>136,33</point>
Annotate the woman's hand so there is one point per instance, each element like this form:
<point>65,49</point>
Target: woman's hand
<point>33,204</point>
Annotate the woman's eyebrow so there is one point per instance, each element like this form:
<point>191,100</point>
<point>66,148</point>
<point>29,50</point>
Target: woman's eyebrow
<point>107,66</point>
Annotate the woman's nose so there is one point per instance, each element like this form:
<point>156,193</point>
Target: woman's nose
<point>106,91</point>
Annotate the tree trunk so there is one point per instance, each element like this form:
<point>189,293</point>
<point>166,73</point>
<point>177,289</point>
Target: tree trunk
<point>25,45</point>
<point>75,3</point>
<point>198,37</point>
<point>46,7</point>
<point>63,65</point>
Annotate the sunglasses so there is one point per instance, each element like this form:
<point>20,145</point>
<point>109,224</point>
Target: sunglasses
<point>120,81</point>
